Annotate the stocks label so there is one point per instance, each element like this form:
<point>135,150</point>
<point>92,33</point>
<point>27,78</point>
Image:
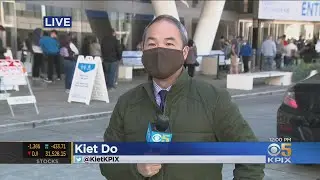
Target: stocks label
<point>279,154</point>
<point>96,159</point>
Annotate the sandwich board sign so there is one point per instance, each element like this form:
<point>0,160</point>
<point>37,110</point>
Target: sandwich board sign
<point>13,73</point>
<point>88,81</point>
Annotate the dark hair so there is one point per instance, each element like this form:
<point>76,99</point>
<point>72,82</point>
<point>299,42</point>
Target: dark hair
<point>54,31</point>
<point>45,33</point>
<point>190,43</point>
<point>222,37</point>
<point>65,40</point>
<point>173,20</point>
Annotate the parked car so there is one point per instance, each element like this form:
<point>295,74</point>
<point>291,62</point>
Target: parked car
<point>298,117</point>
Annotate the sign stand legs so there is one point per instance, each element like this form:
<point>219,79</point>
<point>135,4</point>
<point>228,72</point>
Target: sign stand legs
<point>31,93</point>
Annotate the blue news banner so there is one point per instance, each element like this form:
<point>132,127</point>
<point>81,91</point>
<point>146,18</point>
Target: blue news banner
<point>279,153</point>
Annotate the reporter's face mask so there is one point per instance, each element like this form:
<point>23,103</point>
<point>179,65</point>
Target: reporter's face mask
<point>162,63</point>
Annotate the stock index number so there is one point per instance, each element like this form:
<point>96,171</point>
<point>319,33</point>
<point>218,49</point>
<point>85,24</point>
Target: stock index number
<point>55,153</point>
<point>59,146</point>
<point>34,146</point>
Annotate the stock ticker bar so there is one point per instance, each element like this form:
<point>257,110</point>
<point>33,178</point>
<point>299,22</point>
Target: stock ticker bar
<point>35,152</point>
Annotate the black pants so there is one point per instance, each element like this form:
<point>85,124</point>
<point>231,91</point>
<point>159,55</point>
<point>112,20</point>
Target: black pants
<point>245,60</point>
<point>288,61</point>
<point>53,62</point>
<point>278,59</point>
<point>37,63</point>
<point>191,69</point>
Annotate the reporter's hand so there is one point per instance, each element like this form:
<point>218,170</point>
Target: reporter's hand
<point>148,170</point>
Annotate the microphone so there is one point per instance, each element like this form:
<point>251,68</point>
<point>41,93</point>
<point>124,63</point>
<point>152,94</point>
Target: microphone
<point>159,131</point>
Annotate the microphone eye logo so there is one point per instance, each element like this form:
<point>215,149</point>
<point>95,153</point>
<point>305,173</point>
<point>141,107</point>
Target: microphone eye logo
<point>274,149</point>
<point>156,138</point>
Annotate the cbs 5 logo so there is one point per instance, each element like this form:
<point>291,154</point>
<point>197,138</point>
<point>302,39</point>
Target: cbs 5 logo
<point>284,149</point>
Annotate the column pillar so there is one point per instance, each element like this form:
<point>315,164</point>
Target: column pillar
<point>188,25</point>
<point>165,7</point>
<point>208,25</point>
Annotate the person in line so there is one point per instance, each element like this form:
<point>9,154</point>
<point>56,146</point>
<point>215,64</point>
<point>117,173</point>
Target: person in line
<point>94,47</point>
<point>308,53</point>
<point>290,53</point>
<point>234,67</point>
<point>51,48</point>
<point>69,53</point>
<point>85,48</point>
<point>227,51</point>
<point>191,61</point>
<point>268,51</point>
<point>200,112</point>
<point>246,53</point>
<point>37,53</point>
<point>111,54</point>
<point>280,52</point>
<point>284,39</point>
<point>122,48</point>
<point>222,43</point>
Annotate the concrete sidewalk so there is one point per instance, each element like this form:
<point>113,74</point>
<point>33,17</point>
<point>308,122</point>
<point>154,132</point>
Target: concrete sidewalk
<point>54,108</point>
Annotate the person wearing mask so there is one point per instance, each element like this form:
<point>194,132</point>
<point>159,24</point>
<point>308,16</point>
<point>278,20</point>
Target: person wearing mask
<point>191,61</point>
<point>290,53</point>
<point>37,53</point>
<point>268,51</point>
<point>200,111</point>
<point>280,52</point>
<point>51,48</point>
<point>246,53</point>
<point>111,55</point>
<point>94,47</point>
<point>69,52</point>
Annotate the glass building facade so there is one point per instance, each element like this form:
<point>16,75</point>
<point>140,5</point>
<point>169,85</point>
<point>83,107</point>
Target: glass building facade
<point>127,18</point>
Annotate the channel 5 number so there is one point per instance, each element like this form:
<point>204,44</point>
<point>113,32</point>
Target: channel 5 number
<point>286,149</point>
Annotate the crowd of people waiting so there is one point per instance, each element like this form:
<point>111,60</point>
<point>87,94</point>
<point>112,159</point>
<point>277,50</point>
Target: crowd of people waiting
<point>283,51</point>
<point>48,49</point>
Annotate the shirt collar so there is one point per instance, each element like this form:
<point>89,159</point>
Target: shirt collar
<point>157,88</point>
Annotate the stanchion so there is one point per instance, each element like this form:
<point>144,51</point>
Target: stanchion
<point>217,75</point>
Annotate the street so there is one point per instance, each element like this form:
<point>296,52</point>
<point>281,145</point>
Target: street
<point>260,112</point>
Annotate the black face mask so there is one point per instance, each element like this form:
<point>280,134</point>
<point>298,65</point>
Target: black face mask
<point>162,63</point>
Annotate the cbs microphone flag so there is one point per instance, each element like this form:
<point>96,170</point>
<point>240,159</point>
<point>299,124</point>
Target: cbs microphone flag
<point>215,152</point>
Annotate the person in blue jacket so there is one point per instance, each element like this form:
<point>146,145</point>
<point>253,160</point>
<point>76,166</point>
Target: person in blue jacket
<point>51,48</point>
<point>246,53</point>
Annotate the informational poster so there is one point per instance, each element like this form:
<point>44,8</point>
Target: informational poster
<point>88,81</point>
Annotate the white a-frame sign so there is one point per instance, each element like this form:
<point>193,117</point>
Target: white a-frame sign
<point>88,81</point>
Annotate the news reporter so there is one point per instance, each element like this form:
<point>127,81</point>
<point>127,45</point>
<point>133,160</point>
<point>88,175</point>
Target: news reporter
<point>197,111</point>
